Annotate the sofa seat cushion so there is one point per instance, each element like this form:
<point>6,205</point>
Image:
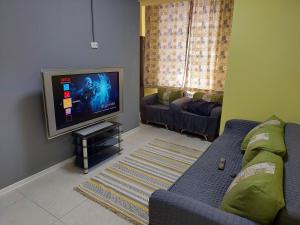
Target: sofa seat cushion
<point>159,107</point>
<point>158,114</point>
<point>191,122</point>
<point>203,181</point>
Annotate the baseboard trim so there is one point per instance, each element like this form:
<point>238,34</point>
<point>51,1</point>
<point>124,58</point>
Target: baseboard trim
<point>129,132</point>
<point>51,169</point>
<point>33,177</point>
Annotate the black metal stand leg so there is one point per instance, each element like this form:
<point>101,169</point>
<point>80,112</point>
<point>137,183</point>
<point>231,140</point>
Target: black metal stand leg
<point>120,141</point>
<point>85,156</point>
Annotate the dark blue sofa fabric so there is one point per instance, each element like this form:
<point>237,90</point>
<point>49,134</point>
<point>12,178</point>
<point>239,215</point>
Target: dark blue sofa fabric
<point>203,181</point>
<point>290,215</point>
<point>152,111</point>
<point>169,208</point>
<point>201,107</point>
<point>176,117</point>
<point>196,196</point>
<point>187,121</point>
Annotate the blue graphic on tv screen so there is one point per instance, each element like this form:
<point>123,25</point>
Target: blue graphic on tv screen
<point>93,95</point>
<point>66,87</point>
<point>94,92</point>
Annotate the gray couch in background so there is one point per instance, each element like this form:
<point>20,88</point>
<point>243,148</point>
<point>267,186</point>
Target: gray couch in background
<point>152,111</point>
<point>175,117</point>
<point>207,126</point>
<point>195,197</point>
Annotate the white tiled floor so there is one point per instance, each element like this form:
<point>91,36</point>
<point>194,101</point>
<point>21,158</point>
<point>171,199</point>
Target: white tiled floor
<point>51,200</point>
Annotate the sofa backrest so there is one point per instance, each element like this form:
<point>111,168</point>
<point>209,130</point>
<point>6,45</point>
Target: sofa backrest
<point>290,215</point>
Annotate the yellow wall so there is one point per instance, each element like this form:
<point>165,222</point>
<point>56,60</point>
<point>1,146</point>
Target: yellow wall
<point>264,61</point>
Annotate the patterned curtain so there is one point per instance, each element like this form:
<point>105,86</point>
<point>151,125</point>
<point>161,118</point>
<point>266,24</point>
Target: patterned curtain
<point>207,51</point>
<point>187,43</point>
<point>166,44</point>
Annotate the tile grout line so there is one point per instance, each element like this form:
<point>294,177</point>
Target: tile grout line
<point>49,170</point>
<point>85,200</point>
<point>50,213</point>
<point>58,221</point>
<point>14,202</point>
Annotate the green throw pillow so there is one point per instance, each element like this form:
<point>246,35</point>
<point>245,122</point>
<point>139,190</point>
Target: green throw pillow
<point>257,192</point>
<point>268,138</point>
<point>198,95</point>
<point>160,93</point>
<point>168,95</point>
<point>208,97</point>
<point>272,121</point>
<point>216,98</point>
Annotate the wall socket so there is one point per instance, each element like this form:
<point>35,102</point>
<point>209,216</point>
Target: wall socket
<point>94,45</point>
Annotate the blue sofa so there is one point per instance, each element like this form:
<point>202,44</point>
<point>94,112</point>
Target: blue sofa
<point>195,198</point>
<point>175,117</point>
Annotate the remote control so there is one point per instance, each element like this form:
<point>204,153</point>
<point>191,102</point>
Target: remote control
<point>222,164</point>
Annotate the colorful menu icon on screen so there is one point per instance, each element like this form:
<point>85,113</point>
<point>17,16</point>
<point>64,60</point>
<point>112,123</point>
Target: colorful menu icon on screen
<point>67,103</point>
<point>67,94</point>
<point>66,87</point>
<point>68,111</point>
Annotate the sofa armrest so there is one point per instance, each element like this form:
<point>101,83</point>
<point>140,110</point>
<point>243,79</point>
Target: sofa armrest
<point>168,208</point>
<point>216,112</point>
<point>180,103</point>
<point>149,100</point>
<point>240,125</point>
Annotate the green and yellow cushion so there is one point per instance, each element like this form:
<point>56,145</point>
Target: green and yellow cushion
<point>168,95</point>
<point>272,121</point>
<point>257,192</point>
<point>267,138</point>
<point>217,98</point>
<point>198,95</point>
<point>208,97</point>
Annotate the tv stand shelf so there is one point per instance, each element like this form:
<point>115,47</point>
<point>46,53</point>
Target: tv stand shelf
<point>96,143</point>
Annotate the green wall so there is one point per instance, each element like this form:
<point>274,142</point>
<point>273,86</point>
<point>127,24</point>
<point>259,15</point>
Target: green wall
<point>264,61</point>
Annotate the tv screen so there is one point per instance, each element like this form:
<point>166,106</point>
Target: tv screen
<point>74,99</point>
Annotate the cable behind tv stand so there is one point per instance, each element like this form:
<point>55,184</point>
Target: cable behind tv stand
<point>96,143</point>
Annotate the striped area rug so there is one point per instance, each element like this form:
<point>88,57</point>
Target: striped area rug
<point>126,186</point>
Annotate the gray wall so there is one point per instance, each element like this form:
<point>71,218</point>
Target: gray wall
<point>36,34</point>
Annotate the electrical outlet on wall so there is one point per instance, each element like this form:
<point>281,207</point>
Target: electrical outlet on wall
<point>94,45</point>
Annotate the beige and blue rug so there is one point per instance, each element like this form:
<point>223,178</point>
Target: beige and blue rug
<point>126,186</point>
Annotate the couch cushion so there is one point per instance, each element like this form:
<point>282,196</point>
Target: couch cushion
<point>198,95</point>
<point>207,96</point>
<point>168,95</point>
<point>272,121</point>
<point>268,138</point>
<point>159,107</point>
<point>191,122</point>
<point>203,181</point>
<point>158,114</point>
<point>260,183</point>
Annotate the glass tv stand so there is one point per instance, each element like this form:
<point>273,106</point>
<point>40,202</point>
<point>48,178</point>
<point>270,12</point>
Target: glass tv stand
<point>96,143</point>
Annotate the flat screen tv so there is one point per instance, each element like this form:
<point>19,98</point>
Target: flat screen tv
<point>74,99</point>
